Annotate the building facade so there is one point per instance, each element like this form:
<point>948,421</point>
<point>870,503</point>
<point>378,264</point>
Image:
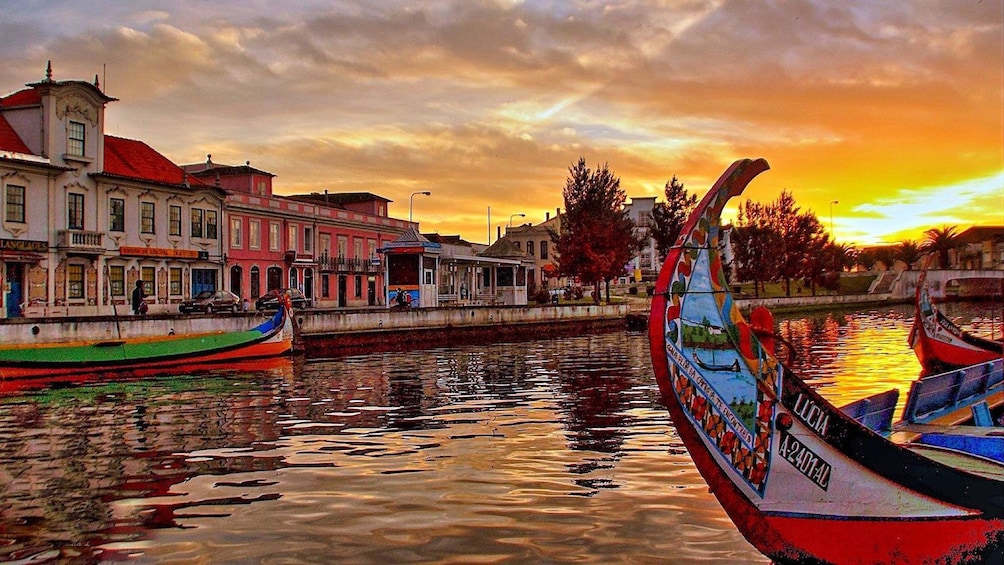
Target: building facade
<point>86,214</point>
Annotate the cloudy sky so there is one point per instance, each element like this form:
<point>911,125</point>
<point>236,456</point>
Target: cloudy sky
<point>895,109</point>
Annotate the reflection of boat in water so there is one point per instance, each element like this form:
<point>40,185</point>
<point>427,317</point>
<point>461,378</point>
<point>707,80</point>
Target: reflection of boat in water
<point>939,343</point>
<point>271,338</point>
<point>801,479</point>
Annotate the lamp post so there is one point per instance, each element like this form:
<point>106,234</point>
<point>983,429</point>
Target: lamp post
<point>833,235</point>
<point>511,216</point>
<point>411,202</point>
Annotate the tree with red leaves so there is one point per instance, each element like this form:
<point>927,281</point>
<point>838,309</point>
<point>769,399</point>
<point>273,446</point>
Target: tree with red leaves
<point>597,237</point>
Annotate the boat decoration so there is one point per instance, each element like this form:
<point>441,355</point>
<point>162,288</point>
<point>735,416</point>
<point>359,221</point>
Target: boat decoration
<point>273,337</point>
<point>939,343</point>
<point>801,479</point>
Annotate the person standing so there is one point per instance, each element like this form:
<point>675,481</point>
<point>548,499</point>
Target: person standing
<point>138,294</point>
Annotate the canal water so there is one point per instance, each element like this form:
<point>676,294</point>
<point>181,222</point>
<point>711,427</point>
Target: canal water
<point>544,450</point>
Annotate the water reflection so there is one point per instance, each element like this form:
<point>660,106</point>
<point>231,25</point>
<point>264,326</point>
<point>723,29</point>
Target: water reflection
<point>547,450</point>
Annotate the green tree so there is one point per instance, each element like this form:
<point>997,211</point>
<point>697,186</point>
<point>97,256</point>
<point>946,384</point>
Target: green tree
<point>940,241</point>
<point>668,217</point>
<point>597,237</point>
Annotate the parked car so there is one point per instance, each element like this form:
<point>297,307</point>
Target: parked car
<point>210,301</point>
<point>270,301</point>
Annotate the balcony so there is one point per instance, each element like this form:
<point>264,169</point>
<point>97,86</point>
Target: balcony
<point>348,265</point>
<point>81,242</point>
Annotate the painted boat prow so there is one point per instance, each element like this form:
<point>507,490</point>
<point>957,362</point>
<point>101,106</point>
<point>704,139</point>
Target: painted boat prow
<point>941,345</point>
<point>801,480</point>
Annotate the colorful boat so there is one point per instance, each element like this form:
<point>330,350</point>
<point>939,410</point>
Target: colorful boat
<point>271,338</point>
<point>939,343</point>
<point>801,479</point>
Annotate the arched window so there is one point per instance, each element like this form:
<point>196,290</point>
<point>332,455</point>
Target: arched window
<point>255,282</point>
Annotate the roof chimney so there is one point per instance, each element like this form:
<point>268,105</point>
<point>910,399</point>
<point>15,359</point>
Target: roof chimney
<point>547,216</point>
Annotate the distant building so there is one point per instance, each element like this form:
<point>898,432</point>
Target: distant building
<point>535,241</point>
<point>645,265</point>
<point>981,247</point>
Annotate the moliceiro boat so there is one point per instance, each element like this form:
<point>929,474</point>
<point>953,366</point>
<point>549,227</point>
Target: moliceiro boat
<point>801,479</point>
<point>939,343</point>
<point>273,337</point>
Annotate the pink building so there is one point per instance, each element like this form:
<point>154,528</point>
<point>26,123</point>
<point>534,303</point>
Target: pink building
<point>323,244</point>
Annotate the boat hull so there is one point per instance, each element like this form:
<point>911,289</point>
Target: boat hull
<point>939,344</point>
<point>801,480</point>
<point>269,339</point>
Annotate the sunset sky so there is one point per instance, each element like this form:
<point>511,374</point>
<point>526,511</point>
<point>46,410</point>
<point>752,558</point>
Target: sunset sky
<point>893,109</point>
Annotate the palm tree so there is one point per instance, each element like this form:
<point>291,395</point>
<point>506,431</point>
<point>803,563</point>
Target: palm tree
<point>940,241</point>
<point>908,252</point>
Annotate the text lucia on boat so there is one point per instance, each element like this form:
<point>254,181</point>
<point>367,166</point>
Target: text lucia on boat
<point>802,480</point>
<point>273,337</point>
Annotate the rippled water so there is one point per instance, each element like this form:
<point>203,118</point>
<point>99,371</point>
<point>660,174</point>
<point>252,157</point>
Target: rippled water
<point>553,450</point>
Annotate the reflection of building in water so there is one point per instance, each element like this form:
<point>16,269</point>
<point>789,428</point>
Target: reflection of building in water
<point>69,454</point>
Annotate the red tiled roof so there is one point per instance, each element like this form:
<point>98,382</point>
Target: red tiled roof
<point>135,159</point>
<point>24,97</point>
<point>9,139</point>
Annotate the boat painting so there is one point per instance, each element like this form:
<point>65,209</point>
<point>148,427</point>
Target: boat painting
<point>939,343</point>
<point>801,479</point>
<point>273,337</point>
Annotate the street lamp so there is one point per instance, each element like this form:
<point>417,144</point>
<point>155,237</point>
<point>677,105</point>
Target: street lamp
<point>411,201</point>
<point>513,216</point>
<point>833,235</point>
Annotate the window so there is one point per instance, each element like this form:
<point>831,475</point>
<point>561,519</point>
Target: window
<point>75,281</point>
<point>148,276</point>
<point>292,278</point>
<point>255,282</point>
<point>212,225</point>
<point>325,283</point>
<point>196,222</point>
<point>358,248</point>
<point>291,238</point>
<point>75,211</point>
<point>543,250</point>
<point>146,217</point>
<point>254,234</point>
<point>174,282</point>
<point>529,247</point>
<point>343,246</point>
<point>116,214</point>
<point>15,203</point>
<point>359,286</point>
<point>175,221</point>
<point>75,139</point>
<point>516,243</point>
<point>116,280</point>
<point>235,232</point>
<point>308,238</point>
<point>273,236</point>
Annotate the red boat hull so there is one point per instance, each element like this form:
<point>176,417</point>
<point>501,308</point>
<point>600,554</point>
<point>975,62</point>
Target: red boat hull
<point>801,480</point>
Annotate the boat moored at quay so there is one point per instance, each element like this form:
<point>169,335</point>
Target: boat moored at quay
<point>803,480</point>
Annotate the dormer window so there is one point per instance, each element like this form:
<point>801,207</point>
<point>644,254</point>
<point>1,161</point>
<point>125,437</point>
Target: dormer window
<point>75,138</point>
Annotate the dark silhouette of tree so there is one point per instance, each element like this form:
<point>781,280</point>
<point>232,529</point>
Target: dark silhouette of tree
<point>777,242</point>
<point>754,245</point>
<point>668,217</point>
<point>940,241</point>
<point>908,252</point>
<point>597,237</point>
<point>800,235</point>
<point>825,264</point>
